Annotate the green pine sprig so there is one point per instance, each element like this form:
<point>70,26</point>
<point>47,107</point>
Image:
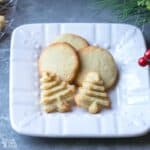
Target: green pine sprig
<point>138,10</point>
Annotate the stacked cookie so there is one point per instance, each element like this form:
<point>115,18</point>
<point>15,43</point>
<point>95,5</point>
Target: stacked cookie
<point>71,59</point>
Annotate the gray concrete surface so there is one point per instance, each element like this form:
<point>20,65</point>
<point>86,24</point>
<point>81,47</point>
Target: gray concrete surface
<point>37,11</point>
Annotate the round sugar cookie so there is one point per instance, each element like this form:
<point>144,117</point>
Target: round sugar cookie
<point>59,58</point>
<point>74,40</point>
<point>99,60</point>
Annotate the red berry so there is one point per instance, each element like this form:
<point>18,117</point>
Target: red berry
<point>142,62</point>
<point>147,54</point>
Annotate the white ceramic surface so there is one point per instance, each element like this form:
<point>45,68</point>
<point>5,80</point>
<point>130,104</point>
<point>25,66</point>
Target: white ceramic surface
<point>130,98</point>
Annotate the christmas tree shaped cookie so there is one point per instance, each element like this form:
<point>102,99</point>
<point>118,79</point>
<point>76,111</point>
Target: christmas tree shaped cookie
<point>92,95</point>
<point>56,95</point>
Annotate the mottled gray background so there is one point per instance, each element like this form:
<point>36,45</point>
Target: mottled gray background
<point>40,11</point>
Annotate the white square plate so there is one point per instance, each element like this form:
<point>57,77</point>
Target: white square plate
<point>130,98</point>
